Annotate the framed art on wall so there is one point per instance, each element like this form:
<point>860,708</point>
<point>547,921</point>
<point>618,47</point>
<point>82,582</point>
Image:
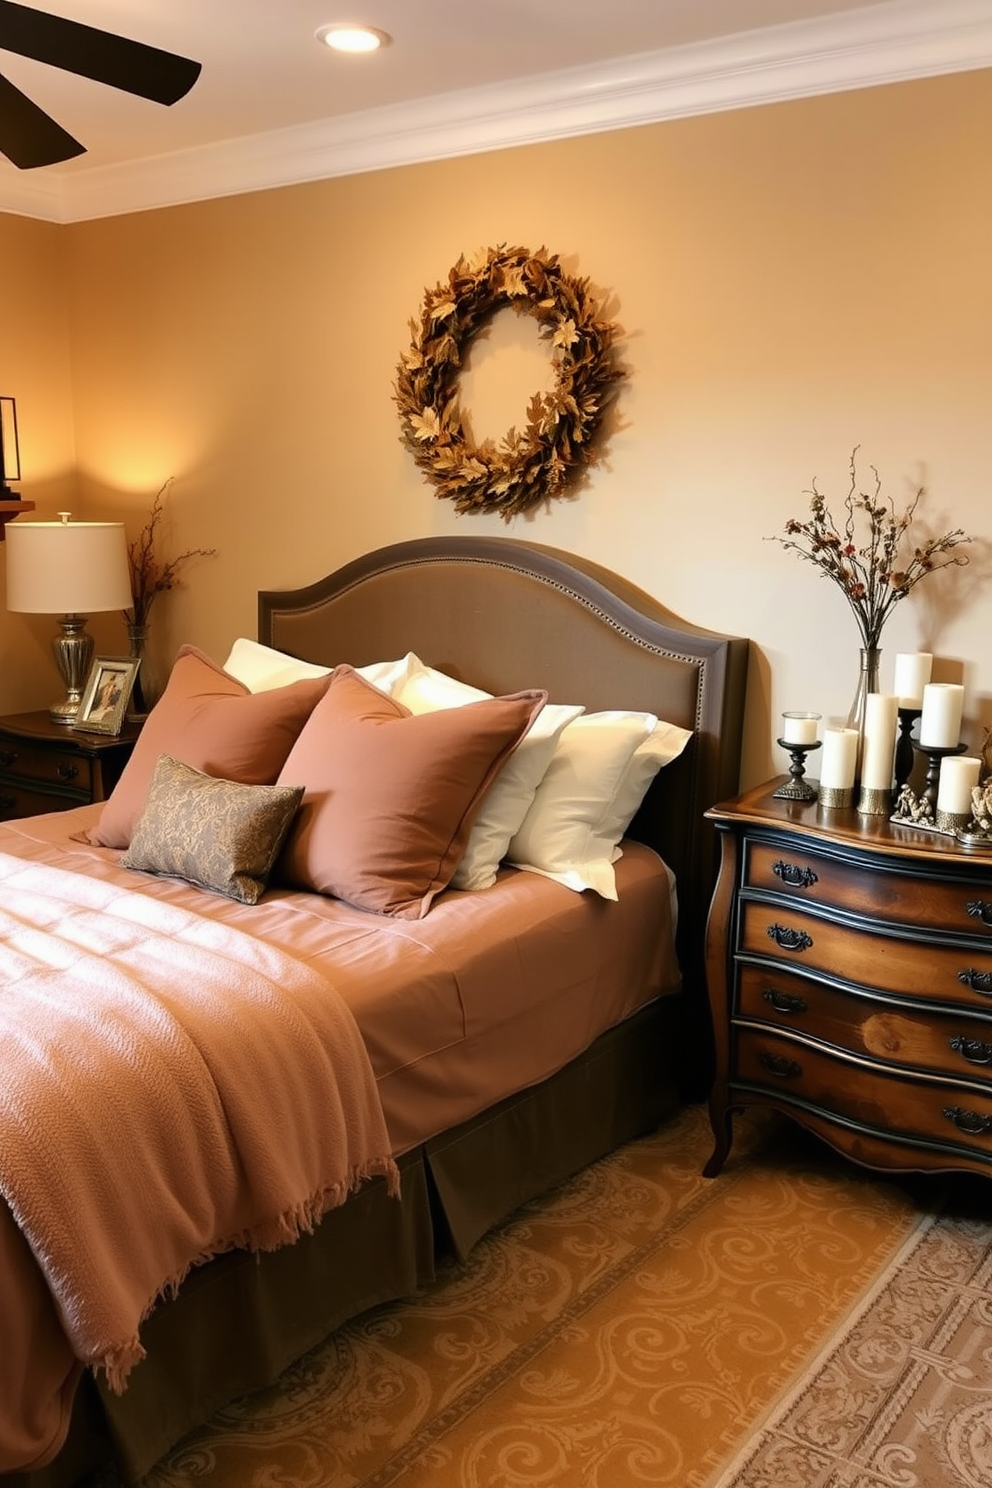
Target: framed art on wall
<point>107,694</point>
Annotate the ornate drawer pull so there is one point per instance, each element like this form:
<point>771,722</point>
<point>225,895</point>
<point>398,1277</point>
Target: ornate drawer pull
<point>979,910</point>
<point>972,1049</point>
<point>8,757</point>
<point>792,874</point>
<point>67,772</point>
<point>778,1064</point>
<point>785,1002</point>
<point>969,1122</point>
<point>789,940</point>
<point>978,981</point>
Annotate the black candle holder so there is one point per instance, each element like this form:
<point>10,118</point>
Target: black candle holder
<point>904,745</point>
<point>796,788</point>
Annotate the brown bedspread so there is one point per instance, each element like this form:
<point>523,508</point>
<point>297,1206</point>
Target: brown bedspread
<point>490,993</point>
<point>171,1087</point>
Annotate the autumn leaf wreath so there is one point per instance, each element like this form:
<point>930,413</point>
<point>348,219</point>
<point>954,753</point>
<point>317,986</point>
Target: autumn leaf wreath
<point>528,466</point>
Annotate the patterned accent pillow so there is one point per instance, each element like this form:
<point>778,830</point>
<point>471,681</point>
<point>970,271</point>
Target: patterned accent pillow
<point>216,834</point>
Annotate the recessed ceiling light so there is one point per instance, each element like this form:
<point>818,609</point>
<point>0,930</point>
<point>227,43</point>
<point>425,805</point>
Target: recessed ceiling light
<point>352,38</point>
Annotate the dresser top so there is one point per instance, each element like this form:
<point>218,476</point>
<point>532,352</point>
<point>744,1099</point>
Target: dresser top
<point>844,827</point>
<point>40,728</point>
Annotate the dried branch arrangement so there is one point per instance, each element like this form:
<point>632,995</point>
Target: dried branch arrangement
<point>870,555</point>
<point>150,575</point>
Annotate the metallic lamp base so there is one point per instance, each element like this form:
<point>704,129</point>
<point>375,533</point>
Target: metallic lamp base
<point>73,651</point>
<point>65,713</point>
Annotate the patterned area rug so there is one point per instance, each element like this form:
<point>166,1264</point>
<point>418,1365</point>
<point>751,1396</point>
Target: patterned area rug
<point>640,1326</point>
<point>904,1395</point>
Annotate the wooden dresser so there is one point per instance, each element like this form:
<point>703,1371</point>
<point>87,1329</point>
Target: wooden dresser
<point>45,766</point>
<point>849,965</point>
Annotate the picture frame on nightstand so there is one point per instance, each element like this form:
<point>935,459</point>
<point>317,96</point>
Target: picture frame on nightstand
<point>106,695</point>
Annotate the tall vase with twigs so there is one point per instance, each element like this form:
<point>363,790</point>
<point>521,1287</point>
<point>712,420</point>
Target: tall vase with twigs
<point>150,577</point>
<point>872,559</point>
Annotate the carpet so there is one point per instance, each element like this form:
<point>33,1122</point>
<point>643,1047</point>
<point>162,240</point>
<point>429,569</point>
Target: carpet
<point>644,1325</point>
<point>902,1398</point>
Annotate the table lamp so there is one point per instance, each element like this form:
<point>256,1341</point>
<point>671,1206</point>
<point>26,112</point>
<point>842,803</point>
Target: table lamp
<point>72,569</point>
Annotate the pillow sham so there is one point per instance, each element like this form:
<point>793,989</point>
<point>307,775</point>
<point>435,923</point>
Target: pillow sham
<point>570,831</point>
<point>216,834</point>
<point>390,796</point>
<point>663,745</point>
<point>261,668</point>
<point>423,689</point>
<point>210,721</point>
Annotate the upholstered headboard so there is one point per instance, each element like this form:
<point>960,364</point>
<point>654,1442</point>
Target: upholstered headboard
<point>505,615</point>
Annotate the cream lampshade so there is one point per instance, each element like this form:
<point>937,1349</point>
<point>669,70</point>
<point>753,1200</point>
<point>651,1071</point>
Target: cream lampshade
<point>73,569</point>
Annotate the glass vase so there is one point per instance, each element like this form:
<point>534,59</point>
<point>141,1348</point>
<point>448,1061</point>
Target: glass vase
<point>868,674</point>
<point>137,637</point>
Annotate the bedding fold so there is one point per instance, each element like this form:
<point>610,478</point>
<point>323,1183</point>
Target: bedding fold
<point>172,1087</point>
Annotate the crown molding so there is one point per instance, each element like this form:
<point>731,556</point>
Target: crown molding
<point>891,42</point>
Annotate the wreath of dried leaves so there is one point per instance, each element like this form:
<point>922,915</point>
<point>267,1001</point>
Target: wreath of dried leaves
<point>527,466</point>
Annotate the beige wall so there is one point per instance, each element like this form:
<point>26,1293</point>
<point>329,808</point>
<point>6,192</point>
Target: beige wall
<point>791,280</point>
<point>35,369</point>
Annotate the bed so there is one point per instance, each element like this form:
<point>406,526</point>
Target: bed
<point>600,1027</point>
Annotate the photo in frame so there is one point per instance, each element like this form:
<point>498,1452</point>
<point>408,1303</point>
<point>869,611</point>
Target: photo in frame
<point>107,694</point>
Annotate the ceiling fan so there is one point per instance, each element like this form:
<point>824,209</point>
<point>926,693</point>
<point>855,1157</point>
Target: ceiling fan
<point>28,136</point>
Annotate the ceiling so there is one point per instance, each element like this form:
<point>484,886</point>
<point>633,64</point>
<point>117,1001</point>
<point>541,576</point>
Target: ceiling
<point>272,105</point>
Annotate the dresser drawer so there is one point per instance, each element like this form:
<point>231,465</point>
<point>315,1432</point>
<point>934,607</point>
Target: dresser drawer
<point>62,769</point>
<point>878,893</point>
<point>910,1108</point>
<point>888,963</point>
<point>20,800</point>
<point>949,1043</point>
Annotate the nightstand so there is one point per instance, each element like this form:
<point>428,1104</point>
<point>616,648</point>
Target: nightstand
<point>45,766</point>
<point>849,966</point>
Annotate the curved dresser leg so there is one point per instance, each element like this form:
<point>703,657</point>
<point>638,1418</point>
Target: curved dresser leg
<point>721,1122</point>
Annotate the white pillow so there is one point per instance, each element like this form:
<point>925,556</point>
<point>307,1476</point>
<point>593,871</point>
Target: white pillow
<point>664,744</point>
<point>570,830</point>
<point>261,668</point>
<point>424,690</point>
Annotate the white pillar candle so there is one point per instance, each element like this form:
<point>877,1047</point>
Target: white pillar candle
<point>840,758</point>
<point>958,774</point>
<point>799,728</point>
<point>881,719</point>
<point>940,725</point>
<point>912,675</point>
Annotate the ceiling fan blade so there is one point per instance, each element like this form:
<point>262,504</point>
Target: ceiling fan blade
<point>117,61</point>
<point>28,137</point>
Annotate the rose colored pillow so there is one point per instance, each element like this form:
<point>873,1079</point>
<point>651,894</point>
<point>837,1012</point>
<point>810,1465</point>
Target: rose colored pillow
<point>423,689</point>
<point>390,796</point>
<point>211,722</point>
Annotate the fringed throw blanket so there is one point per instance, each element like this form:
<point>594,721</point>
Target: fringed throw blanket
<point>170,1088</point>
